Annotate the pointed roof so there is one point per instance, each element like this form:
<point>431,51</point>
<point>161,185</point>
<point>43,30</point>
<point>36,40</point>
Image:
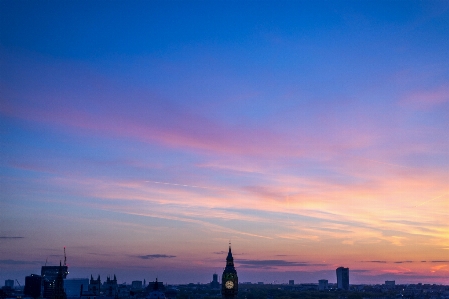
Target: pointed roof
<point>229,257</point>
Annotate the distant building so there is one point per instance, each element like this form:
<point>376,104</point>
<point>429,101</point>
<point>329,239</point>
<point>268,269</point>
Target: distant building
<point>151,285</point>
<point>75,287</point>
<point>214,283</point>
<point>323,284</point>
<point>9,283</point>
<point>136,285</point>
<point>291,282</point>
<point>390,284</point>
<point>343,278</point>
<point>110,287</point>
<point>94,285</point>
<point>156,293</point>
<point>33,286</point>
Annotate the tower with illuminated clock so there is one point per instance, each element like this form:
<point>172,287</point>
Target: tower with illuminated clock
<point>229,279</point>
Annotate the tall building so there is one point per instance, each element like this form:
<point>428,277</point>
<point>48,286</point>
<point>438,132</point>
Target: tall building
<point>33,286</point>
<point>343,278</point>
<point>59,292</point>
<point>229,279</point>
<point>49,276</point>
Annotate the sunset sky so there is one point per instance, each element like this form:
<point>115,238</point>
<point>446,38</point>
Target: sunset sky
<point>145,136</point>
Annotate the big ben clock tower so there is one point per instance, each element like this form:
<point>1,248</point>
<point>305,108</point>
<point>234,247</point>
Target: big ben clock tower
<point>229,279</point>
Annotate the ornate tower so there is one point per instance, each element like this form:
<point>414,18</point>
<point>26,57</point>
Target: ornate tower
<point>229,279</point>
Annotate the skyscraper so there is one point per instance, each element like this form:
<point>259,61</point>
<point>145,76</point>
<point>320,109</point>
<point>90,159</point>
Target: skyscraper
<point>229,279</point>
<point>343,278</point>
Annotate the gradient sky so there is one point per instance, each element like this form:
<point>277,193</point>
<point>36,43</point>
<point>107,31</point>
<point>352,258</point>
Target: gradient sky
<point>144,136</point>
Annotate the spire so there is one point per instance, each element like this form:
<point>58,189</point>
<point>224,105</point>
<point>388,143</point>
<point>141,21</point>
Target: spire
<point>229,257</point>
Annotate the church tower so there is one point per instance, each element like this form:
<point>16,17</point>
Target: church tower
<point>229,279</point>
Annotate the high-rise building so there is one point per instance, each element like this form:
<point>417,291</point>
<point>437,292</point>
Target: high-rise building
<point>50,274</point>
<point>229,279</point>
<point>33,286</point>
<point>291,282</point>
<point>59,292</point>
<point>343,278</point>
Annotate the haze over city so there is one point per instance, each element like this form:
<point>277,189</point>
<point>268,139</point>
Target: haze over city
<point>145,136</point>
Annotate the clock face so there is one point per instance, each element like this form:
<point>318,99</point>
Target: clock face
<point>229,284</point>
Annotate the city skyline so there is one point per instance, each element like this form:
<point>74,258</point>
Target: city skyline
<point>144,136</point>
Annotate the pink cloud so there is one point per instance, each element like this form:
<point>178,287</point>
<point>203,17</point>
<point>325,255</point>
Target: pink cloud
<point>426,99</point>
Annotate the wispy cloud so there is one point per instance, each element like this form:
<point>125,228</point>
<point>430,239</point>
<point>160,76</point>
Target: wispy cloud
<point>274,263</point>
<point>19,262</point>
<point>155,256</point>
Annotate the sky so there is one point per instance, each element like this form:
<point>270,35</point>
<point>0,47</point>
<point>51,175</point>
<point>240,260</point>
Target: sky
<point>146,136</point>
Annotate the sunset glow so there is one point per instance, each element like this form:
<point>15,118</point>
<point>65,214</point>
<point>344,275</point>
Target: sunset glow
<point>145,137</point>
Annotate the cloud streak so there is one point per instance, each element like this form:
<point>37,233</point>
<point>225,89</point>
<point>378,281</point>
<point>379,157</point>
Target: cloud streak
<point>155,256</point>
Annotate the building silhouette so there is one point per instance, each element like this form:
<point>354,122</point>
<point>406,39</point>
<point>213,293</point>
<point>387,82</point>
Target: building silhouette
<point>49,276</point>
<point>33,286</point>
<point>156,292</point>
<point>214,283</point>
<point>9,283</point>
<point>110,287</point>
<point>343,278</point>
<point>323,284</point>
<point>59,292</point>
<point>229,279</point>
<point>94,285</point>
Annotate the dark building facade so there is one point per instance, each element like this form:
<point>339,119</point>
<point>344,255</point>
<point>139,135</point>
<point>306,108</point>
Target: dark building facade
<point>229,279</point>
<point>214,283</point>
<point>53,281</point>
<point>343,278</point>
<point>95,285</point>
<point>33,286</point>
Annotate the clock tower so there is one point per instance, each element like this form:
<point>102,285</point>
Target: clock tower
<point>229,279</point>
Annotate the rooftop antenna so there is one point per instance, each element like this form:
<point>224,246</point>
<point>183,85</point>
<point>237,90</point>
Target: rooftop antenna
<point>65,258</point>
<point>46,260</point>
